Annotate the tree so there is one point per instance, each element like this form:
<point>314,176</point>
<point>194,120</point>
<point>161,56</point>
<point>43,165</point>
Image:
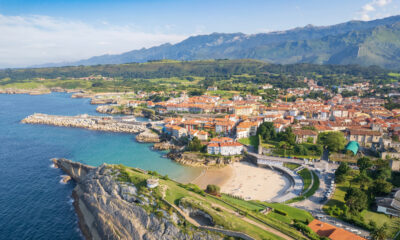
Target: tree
<point>333,141</point>
<point>356,200</point>
<point>341,172</point>
<point>195,145</point>
<point>213,189</point>
<point>364,163</point>
<point>363,180</point>
<point>267,131</point>
<point>380,233</point>
<point>381,187</point>
<point>300,150</point>
<point>287,136</point>
<point>284,145</point>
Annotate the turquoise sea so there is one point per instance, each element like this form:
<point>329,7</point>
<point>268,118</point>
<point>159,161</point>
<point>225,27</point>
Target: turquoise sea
<point>33,202</point>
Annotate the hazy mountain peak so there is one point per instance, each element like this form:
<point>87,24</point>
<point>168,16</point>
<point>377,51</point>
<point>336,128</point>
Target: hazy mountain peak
<point>336,44</point>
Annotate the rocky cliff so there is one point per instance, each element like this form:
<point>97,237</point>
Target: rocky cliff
<point>110,209</point>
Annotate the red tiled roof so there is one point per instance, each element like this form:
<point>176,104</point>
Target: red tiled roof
<point>332,232</point>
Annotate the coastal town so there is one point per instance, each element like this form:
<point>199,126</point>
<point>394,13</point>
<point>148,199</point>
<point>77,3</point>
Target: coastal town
<point>302,138</point>
<point>200,120</point>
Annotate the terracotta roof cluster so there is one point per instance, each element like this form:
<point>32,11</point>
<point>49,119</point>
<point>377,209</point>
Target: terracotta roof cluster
<point>332,232</point>
<point>221,140</point>
<point>364,132</point>
<point>306,132</point>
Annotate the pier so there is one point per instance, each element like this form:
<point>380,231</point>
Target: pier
<point>99,123</point>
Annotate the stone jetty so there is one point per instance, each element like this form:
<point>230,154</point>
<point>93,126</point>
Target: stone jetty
<point>99,123</point>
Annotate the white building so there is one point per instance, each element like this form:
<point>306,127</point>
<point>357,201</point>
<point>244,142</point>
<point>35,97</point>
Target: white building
<point>152,182</point>
<point>225,148</point>
<point>389,205</point>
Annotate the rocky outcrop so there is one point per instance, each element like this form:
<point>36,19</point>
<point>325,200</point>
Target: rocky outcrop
<point>77,171</point>
<point>148,136</point>
<point>85,121</point>
<point>103,101</point>
<point>198,159</point>
<point>165,146</point>
<point>110,209</point>
<point>82,95</point>
<point>125,110</point>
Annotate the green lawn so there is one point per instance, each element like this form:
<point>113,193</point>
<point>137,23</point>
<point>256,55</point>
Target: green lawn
<point>243,203</point>
<point>392,74</point>
<point>293,213</point>
<point>273,219</point>
<point>314,187</point>
<point>291,166</point>
<point>251,141</point>
<point>305,174</point>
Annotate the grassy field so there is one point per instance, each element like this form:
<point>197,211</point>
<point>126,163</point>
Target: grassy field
<point>314,187</point>
<point>291,166</point>
<point>251,141</point>
<point>305,174</point>
<point>293,213</point>
<point>367,215</point>
<point>281,220</point>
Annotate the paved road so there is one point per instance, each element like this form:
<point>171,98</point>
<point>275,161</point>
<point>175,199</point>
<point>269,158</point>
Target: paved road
<point>280,159</point>
<point>314,205</point>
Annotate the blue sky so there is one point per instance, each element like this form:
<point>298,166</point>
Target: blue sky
<point>35,32</point>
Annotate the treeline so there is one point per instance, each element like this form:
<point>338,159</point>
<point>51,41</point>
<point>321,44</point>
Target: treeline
<point>213,70</point>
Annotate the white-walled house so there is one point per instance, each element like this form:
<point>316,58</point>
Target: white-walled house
<point>224,147</point>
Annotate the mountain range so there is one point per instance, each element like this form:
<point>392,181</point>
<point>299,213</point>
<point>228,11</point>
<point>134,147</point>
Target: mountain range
<point>365,43</point>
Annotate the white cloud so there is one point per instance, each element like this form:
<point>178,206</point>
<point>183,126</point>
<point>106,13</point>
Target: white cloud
<point>31,40</point>
<point>374,9</point>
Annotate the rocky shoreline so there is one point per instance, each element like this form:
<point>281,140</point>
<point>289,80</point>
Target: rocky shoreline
<point>110,209</point>
<point>137,112</point>
<point>200,160</point>
<point>148,136</point>
<point>85,121</point>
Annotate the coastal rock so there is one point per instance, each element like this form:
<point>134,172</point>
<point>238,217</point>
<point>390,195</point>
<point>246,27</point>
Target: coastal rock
<point>164,146</point>
<point>66,179</point>
<point>103,101</point>
<point>107,208</point>
<point>198,159</point>
<point>125,110</point>
<point>148,137</point>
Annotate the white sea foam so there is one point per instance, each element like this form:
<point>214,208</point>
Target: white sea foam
<point>62,178</point>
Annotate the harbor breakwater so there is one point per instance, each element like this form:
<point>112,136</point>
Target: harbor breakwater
<point>98,123</point>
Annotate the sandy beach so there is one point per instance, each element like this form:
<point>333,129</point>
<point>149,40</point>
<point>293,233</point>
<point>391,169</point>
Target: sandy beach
<point>217,176</point>
<point>245,180</point>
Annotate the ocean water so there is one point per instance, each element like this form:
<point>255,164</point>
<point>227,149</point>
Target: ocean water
<point>33,202</point>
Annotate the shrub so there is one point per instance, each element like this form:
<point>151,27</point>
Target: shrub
<point>213,189</point>
<point>280,212</point>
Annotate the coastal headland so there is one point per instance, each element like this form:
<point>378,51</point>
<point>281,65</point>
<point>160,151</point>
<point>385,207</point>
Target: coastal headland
<point>118,202</point>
